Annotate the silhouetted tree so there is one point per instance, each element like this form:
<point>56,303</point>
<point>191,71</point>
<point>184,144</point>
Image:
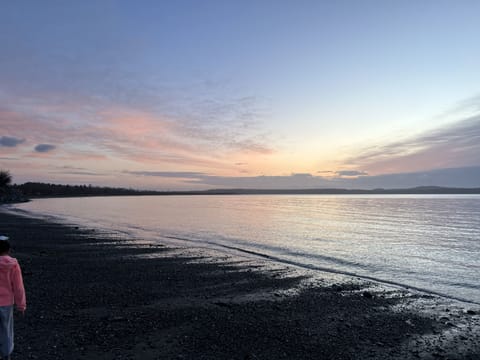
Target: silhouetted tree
<point>5,178</point>
<point>44,189</point>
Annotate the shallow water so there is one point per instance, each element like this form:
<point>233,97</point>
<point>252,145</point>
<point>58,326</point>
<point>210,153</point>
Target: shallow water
<point>430,242</point>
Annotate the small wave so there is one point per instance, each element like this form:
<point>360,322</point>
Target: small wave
<point>328,270</point>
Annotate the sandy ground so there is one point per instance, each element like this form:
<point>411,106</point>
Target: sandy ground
<point>93,295</point>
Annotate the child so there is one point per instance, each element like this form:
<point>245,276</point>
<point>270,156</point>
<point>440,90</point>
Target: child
<point>11,292</point>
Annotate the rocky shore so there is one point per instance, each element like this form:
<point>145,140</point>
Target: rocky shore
<point>92,295</point>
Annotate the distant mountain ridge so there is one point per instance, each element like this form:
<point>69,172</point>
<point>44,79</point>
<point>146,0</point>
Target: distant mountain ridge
<point>34,189</point>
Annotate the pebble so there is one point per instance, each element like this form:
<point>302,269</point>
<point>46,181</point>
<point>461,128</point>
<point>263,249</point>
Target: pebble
<point>367,294</point>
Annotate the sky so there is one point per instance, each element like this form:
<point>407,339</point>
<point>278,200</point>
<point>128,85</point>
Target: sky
<point>190,95</point>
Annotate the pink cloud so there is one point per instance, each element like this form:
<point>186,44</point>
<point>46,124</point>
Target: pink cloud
<point>100,133</point>
<point>109,134</point>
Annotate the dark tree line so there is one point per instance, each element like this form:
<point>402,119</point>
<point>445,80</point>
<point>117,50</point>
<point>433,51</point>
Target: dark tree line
<point>16,193</point>
<point>36,189</point>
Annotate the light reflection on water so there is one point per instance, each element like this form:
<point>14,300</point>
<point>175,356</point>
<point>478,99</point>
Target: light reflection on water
<point>426,241</point>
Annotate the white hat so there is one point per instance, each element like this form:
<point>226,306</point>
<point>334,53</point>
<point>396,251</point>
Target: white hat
<point>3,237</point>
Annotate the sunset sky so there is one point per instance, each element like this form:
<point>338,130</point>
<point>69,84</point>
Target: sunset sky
<point>209,94</point>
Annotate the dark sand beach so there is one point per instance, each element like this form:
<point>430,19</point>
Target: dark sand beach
<point>92,295</point>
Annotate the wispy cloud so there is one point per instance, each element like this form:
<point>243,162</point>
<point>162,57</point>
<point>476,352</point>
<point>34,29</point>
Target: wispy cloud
<point>169,174</point>
<point>228,123</point>
<point>454,177</point>
<point>126,133</point>
<point>351,173</point>
<point>453,145</point>
<point>82,172</point>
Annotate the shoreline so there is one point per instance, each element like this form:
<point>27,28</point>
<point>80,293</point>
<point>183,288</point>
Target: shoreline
<point>92,295</point>
<point>220,250</point>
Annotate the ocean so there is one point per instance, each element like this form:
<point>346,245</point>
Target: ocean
<point>427,242</point>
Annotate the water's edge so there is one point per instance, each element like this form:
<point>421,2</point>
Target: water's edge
<point>228,250</point>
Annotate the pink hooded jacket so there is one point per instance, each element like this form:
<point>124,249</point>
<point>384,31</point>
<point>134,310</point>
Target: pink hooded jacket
<point>11,283</point>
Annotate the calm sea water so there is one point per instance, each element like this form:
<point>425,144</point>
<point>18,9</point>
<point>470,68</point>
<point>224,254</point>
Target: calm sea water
<point>427,242</point>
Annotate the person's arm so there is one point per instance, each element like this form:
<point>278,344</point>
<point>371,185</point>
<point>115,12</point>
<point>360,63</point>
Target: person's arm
<point>18,289</point>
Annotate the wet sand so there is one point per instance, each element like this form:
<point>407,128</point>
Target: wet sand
<point>93,295</point>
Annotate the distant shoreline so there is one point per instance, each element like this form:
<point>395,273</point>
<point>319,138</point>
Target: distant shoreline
<point>42,190</point>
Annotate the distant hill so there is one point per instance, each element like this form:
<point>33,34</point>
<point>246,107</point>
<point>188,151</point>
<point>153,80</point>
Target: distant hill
<point>34,189</point>
<point>333,191</point>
